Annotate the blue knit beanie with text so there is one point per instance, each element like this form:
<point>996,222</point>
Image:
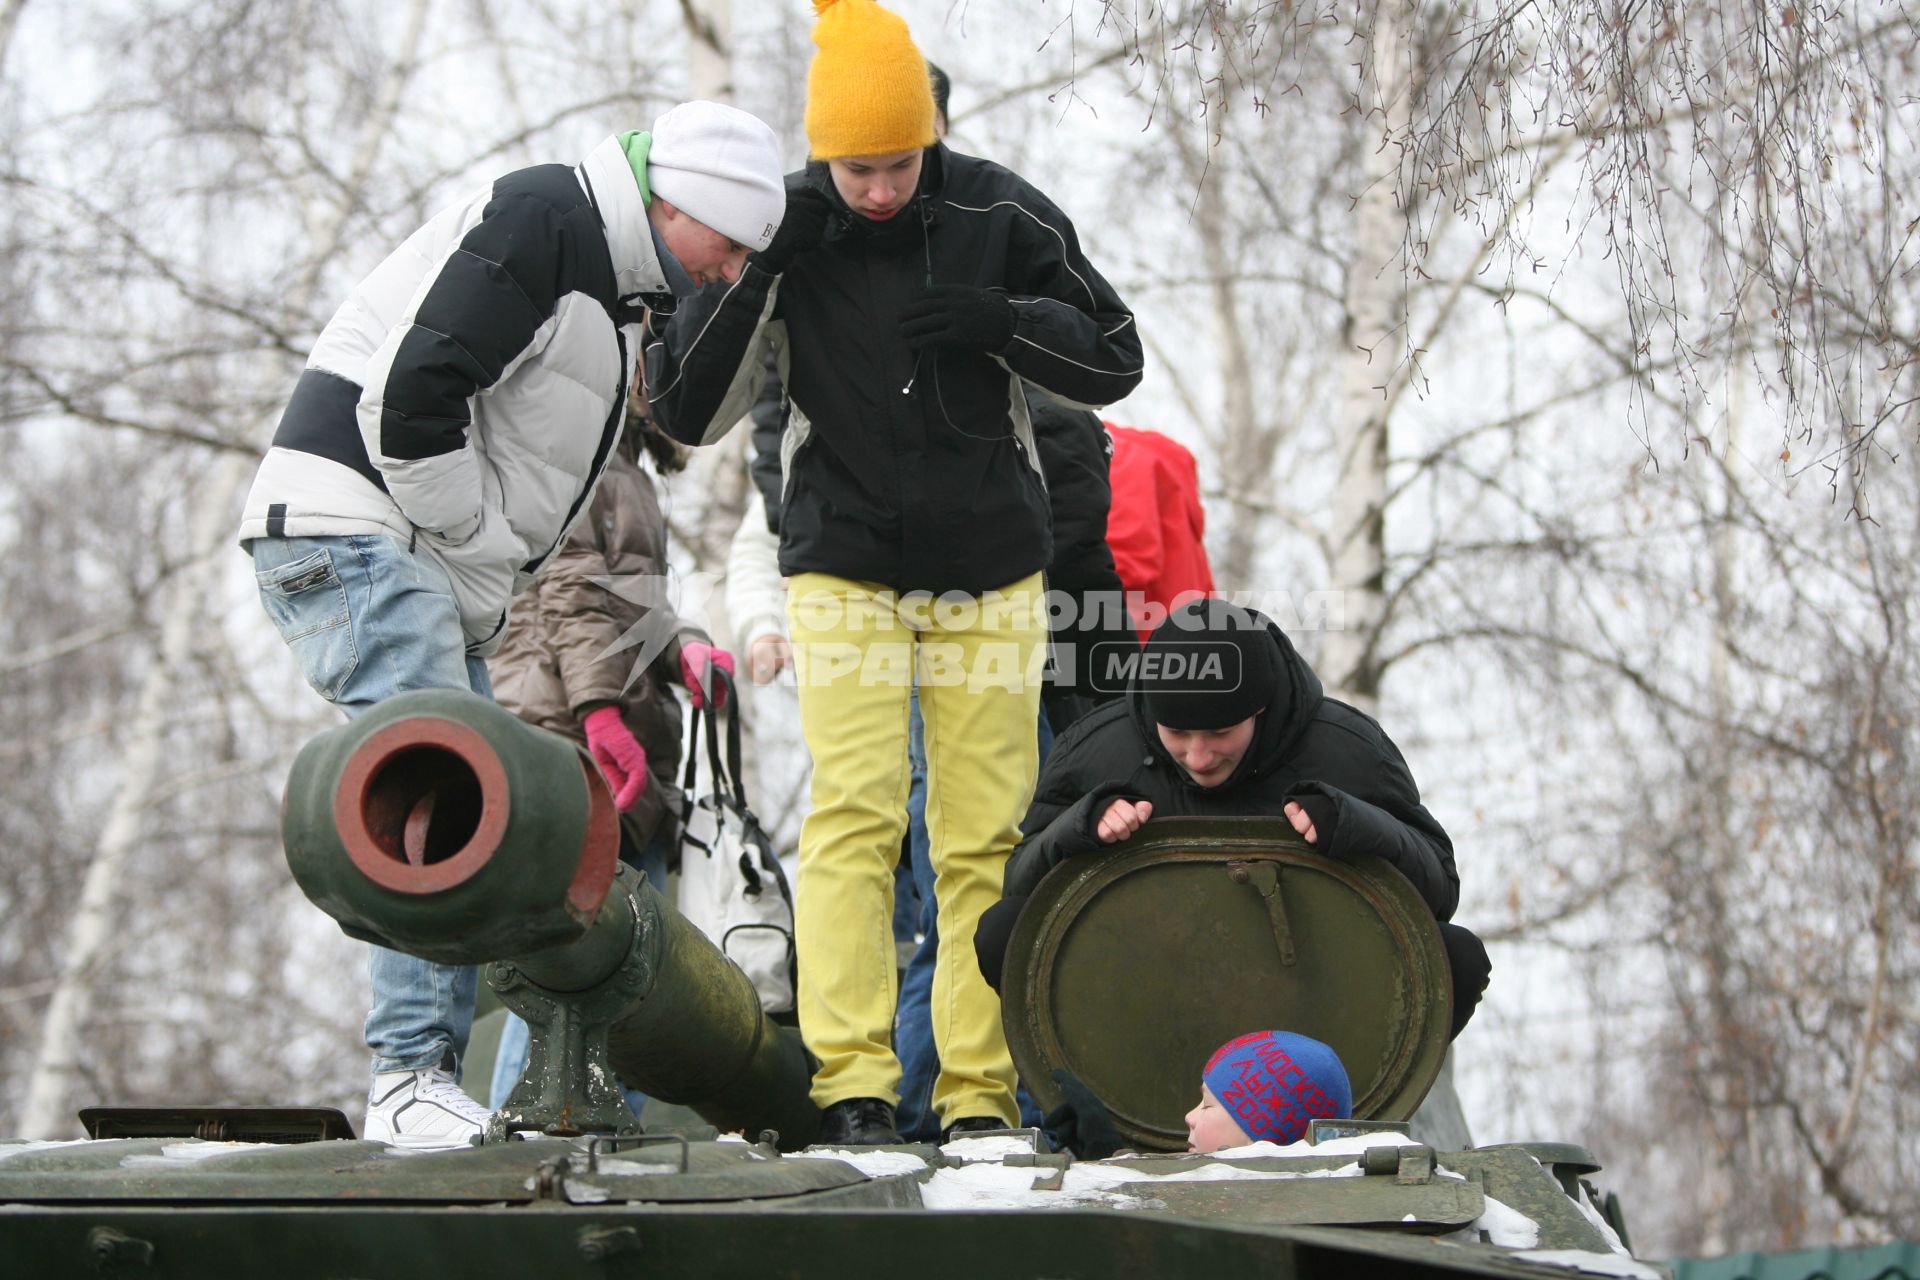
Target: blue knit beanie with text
<point>1273,1082</point>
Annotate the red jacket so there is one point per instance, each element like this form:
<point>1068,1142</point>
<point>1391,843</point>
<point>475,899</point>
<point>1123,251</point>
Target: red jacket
<point>1156,527</point>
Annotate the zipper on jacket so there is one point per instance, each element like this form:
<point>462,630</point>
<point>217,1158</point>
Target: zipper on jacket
<point>876,270</point>
<point>609,435</point>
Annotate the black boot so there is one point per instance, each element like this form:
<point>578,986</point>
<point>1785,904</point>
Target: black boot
<point>972,1124</point>
<point>858,1122</point>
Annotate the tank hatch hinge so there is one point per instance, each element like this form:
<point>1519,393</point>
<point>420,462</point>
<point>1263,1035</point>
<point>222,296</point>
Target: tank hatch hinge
<point>1409,1165</point>
<point>1052,1167</point>
<point>549,1180</point>
<point>1416,1166</point>
<point>1265,878</point>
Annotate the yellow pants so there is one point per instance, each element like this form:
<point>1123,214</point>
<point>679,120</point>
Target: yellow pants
<point>858,650</point>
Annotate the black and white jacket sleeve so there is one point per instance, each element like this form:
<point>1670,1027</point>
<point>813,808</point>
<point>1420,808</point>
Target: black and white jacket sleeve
<point>769,414</point>
<point>488,306</point>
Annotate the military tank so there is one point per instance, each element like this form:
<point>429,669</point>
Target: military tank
<point>441,825</point>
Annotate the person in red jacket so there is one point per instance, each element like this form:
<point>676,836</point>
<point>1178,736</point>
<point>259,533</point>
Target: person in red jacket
<point>1156,527</point>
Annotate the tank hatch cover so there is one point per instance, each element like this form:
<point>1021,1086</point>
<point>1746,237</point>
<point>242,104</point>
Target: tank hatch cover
<point>1129,969</point>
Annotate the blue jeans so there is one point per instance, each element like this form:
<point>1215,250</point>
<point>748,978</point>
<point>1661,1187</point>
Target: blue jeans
<point>906,900</point>
<point>510,1062</point>
<point>366,619</point>
<point>914,1118</point>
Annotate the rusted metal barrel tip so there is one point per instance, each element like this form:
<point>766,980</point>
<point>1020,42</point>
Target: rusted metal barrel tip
<point>441,825</point>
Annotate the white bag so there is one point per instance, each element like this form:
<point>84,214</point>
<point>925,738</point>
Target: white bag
<point>731,884</point>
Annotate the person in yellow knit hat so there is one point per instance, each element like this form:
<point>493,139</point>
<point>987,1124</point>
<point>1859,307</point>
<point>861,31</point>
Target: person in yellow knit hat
<point>907,293</point>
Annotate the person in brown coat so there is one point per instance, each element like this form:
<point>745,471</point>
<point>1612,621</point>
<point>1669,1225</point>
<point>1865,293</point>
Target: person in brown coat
<point>592,653</point>
<point>601,606</point>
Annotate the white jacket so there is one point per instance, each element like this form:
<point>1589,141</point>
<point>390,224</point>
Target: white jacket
<point>468,394</point>
<point>756,594</point>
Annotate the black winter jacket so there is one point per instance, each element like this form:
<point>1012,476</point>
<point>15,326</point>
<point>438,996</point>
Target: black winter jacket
<point>1311,744</point>
<point>912,469</point>
<point>1075,451</point>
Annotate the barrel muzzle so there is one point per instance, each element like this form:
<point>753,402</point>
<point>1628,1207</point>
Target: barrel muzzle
<point>441,825</point>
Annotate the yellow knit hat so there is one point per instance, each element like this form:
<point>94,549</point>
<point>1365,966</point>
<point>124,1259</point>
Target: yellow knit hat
<point>867,92</point>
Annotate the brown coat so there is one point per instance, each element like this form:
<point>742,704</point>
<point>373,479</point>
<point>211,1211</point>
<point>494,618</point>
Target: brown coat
<point>554,663</point>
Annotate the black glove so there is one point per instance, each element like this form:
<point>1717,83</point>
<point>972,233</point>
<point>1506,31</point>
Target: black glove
<point>958,315</point>
<point>1325,813</point>
<point>802,228</point>
<point>1081,1122</point>
<point>1086,822</point>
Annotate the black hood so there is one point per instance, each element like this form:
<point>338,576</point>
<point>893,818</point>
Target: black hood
<point>1277,731</point>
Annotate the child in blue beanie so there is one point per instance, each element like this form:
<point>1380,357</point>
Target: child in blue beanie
<point>1266,1086</point>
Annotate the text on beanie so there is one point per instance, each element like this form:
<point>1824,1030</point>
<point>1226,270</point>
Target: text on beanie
<point>1273,1082</point>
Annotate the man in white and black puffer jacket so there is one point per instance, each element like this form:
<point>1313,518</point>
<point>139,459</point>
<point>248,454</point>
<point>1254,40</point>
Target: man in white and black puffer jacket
<point>452,421</point>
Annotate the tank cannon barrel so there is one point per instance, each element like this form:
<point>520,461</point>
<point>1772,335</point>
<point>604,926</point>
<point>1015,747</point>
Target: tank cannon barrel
<point>441,825</point>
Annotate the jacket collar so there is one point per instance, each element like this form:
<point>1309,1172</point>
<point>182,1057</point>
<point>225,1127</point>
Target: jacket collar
<point>608,181</point>
<point>922,211</point>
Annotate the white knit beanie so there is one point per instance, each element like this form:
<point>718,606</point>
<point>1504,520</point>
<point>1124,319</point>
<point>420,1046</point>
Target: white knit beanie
<point>720,166</point>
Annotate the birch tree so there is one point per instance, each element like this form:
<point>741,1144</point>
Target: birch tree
<point>1688,117</point>
<point>208,255</point>
<point>1374,338</point>
<point>185,604</point>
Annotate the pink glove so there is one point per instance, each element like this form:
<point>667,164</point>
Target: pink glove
<point>697,660</point>
<point>619,755</point>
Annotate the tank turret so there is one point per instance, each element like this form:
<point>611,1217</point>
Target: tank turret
<point>440,825</point>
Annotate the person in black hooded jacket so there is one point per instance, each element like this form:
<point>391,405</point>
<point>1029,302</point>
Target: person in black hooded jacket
<point>1224,718</point>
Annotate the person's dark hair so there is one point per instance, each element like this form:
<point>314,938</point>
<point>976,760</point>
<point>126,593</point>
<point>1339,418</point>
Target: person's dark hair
<point>942,87</point>
<point>668,454</point>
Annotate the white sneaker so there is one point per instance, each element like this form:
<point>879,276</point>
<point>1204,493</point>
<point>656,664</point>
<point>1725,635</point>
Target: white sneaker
<point>422,1110</point>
